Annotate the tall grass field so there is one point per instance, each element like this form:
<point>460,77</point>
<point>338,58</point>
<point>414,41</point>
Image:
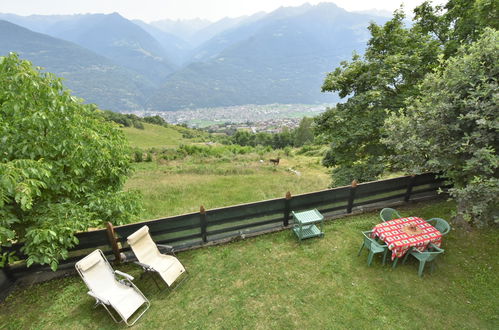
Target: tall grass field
<point>215,175</point>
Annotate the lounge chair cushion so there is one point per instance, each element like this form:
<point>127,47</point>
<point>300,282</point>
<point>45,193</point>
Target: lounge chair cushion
<point>89,261</point>
<point>125,300</point>
<point>168,267</point>
<point>135,237</point>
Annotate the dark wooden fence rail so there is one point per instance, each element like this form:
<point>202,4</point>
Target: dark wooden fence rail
<point>215,225</point>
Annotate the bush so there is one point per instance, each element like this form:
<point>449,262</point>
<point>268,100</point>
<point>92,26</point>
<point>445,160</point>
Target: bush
<point>156,120</point>
<point>138,156</point>
<point>137,124</point>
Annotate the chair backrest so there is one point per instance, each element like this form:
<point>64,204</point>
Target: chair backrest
<point>388,214</point>
<point>432,252</point>
<point>143,246</point>
<point>442,225</point>
<point>96,272</point>
<point>370,242</point>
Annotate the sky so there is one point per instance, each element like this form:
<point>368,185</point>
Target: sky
<point>213,10</point>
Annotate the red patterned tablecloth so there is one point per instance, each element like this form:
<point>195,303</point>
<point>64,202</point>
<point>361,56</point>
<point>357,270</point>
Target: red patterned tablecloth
<point>399,242</point>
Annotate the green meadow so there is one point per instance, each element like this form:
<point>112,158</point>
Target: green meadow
<point>222,176</point>
<point>153,136</point>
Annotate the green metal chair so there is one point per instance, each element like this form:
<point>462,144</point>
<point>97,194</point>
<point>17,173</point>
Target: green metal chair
<point>388,214</point>
<point>442,225</point>
<point>427,256</point>
<point>373,246</point>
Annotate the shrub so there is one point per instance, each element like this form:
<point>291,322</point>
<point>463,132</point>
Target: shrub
<point>138,156</point>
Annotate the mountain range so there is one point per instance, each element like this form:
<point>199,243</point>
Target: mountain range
<point>123,65</point>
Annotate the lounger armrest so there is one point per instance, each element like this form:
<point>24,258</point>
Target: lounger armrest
<point>146,267</point>
<point>168,248</point>
<point>125,275</point>
<point>98,298</point>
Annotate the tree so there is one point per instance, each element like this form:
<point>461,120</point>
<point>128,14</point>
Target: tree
<point>303,134</point>
<point>282,139</point>
<point>452,128</point>
<point>374,85</point>
<point>156,120</point>
<point>379,83</point>
<point>62,166</point>
<point>243,138</point>
<point>457,22</point>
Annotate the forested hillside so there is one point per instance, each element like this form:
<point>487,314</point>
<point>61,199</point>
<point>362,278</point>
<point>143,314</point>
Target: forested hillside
<point>90,76</point>
<point>277,57</point>
<point>119,39</point>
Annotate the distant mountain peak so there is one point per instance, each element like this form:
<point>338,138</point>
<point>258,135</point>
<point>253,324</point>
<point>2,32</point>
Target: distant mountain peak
<point>329,4</point>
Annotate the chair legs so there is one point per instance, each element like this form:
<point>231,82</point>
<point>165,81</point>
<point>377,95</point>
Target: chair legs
<point>164,286</point>
<point>432,266</point>
<point>405,258</point>
<point>360,250</point>
<point>185,275</point>
<point>151,274</point>
<point>422,264</point>
<point>371,255</point>
<point>370,258</point>
<point>110,313</point>
<point>421,268</point>
<point>394,264</point>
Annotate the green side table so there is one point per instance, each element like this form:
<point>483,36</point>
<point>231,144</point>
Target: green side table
<point>305,224</point>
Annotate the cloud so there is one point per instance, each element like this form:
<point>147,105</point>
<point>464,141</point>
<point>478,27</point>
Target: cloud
<point>149,10</point>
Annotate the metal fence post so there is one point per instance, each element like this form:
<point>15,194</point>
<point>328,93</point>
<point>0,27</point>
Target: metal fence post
<point>287,209</point>
<point>351,198</point>
<point>113,242</point>
<point>203,223</point>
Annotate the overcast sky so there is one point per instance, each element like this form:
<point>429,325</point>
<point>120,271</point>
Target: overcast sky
<point>150,10</point>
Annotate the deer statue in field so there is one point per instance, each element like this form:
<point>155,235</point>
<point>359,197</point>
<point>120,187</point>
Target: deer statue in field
<point>274,161</point>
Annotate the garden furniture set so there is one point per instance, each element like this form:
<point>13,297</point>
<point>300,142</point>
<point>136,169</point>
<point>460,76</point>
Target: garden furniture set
<point>114,290</point>
<point>405,236</point>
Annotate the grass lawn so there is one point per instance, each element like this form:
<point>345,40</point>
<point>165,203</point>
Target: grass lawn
<point>153,136</point>
<point>272,281</point>
<point>176,187</point>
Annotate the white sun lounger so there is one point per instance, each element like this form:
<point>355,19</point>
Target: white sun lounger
<point>152,260</point>
<point>122,295</point>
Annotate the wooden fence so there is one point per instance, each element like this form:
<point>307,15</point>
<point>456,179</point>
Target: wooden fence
<point>216,225</point>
